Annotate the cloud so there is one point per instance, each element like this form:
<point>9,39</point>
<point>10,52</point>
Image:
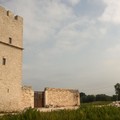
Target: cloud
<point>114,51</point>
<point>42,22</point>
<point>64,46</point>
<point>75,35</point>
<point>111,13</point>
<point>90,8</point>
<point>73,2</point>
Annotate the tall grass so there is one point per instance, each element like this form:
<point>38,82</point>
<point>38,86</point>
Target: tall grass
<point>83,113</point>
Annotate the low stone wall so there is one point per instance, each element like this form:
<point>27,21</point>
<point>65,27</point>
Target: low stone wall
<point>57,109</point>
<point>27,97</point>
<point>61,97</point>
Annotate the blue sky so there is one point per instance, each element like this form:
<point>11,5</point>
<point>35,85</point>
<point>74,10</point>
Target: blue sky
<point>70,43</point>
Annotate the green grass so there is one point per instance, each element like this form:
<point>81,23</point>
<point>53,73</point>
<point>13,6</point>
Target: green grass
<point>86,112</point>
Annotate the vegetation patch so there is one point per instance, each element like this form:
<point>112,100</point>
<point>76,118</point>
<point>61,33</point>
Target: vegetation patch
<point>83,113</point>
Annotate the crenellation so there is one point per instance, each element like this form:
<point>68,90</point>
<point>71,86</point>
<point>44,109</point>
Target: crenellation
<point>18,18</point>
<point>11,27</point>
<point>10,14</point>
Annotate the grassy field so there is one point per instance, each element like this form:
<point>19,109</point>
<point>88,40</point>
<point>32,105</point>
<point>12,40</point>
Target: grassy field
<point>96,103</point>
<point>85,112</point>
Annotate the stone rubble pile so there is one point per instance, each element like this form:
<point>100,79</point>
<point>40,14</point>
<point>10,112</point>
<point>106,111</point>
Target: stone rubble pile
<point>115,103</point>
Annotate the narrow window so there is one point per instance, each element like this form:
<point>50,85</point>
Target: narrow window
<point>10,40</point>
<point>8,13</point>
<point>8,90</point>
<point>4,61</point>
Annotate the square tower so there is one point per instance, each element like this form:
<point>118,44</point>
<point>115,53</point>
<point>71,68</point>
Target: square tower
<point>11,37</point>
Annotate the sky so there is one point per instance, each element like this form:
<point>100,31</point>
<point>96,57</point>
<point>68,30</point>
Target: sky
<point>70,43</point>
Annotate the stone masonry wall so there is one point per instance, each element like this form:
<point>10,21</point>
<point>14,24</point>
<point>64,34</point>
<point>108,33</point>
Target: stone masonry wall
<point>11,30</point>
<point>10,79</point>
<point>27,97</point>
<point>61,97</point>
<point>12,97</point>
<point>11,26</point>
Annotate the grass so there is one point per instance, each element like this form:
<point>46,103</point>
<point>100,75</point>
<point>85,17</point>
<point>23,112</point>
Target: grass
<point>85,112</point>
<point>96,103</point>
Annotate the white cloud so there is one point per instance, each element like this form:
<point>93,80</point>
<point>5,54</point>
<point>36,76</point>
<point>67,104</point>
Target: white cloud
<point>40,18</point>
<point>113,52</point>
<point>70,38</point>
<point>73,2</point>
<point>111,61</point>
<point>112,11</point>
<point>79,33</point>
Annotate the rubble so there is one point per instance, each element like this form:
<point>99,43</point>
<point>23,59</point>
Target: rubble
<point>115,103</point>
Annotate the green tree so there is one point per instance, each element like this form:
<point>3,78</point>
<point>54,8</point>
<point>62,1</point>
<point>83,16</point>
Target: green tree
<point>114,97</point>
<point>91,98</point>
<point>117,90</point>
<point>82,97</point>
<point>103,97</point>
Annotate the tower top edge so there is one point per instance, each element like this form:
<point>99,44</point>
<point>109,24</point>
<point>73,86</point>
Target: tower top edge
<point>8,13</point>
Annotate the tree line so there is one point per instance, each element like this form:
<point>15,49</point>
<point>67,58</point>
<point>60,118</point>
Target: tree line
<point>101,97</point>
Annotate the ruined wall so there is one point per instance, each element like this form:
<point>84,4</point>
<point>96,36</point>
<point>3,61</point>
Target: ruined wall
<point>11,30</point>
<point>61,97</point>
<point>27,97</point>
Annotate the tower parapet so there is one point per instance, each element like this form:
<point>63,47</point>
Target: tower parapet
<point>11,28</point>
<point>8,13</point>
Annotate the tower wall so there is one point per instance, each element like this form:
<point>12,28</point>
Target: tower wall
<point>11,33</point>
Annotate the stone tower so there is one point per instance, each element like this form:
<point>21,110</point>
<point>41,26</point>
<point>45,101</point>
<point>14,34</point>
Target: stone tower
<point>11,33</point>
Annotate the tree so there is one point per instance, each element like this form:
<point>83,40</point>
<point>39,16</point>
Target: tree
<point>103,97</point>
<point>114,97</point>
<point>82,97</point>
<point>117,90</point>
<point>86,98</point>
<point>91,98</point>
<point>82,94</point>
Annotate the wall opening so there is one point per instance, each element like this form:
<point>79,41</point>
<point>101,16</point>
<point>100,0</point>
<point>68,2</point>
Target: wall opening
<point>4,61</point>
<point>10,40</point>
<point>7,13</point>
<point>39,99</point>
<point>16,17</point>
<point>8,90</point>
